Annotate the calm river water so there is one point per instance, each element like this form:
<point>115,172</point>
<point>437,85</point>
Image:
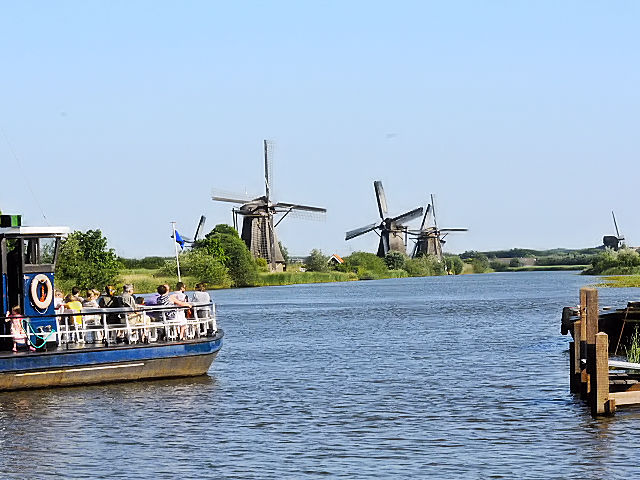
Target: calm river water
<point>441,377</point>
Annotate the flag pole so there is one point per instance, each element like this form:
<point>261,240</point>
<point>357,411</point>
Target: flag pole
<point>175,244</point>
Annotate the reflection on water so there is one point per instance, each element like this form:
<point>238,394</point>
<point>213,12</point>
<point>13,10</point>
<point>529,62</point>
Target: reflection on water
<point>441,377</point>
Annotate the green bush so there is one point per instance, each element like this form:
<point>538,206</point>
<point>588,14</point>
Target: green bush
<point>200,265</point>
<point>224,244</point>
<point>515,262</point>
<point>317,261</point>
<point>262,265</point>
<point>454,264</point>
<point>625,261</point>
<point>395,260</point>
<point>365,262</point>
<point>497,266</point>
<point>480,263</point>
<point>424,266</point>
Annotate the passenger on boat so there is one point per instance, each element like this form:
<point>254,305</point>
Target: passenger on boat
<point>128,300</point>
<point>167,298</point>
<point>17,329</point>
<point>180,292</point>
<point>58,301</point>
<point>91,300</point>
<point>202,296</point>
<point>106,300</point>
<point>75,291</point>
<point>73,303</point>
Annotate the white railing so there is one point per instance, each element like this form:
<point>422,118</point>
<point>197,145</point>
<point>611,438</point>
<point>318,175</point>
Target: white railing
<point>110,326</point>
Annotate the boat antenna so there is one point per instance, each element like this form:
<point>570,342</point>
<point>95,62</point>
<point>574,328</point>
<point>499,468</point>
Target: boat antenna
<point>24,177</point>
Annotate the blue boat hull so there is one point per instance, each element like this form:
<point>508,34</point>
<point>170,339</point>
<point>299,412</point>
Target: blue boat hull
<point>84,366</point>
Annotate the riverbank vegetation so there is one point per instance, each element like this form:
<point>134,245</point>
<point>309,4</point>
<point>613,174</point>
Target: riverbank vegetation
<point>222,260</point>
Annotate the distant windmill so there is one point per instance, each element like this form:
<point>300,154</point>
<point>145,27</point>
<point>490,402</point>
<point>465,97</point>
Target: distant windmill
<point>258,229</point>
<point>614,242</point>
<point>190,241</point>
<point>430,238</point>
<point>392,231</point>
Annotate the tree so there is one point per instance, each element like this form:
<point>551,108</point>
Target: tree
<point>201,265</point>
<point>224,243</point>
<point>480,263</point>
<point>454,264</point>
<point>285,252</point>
<point>361,262</point>
<point>86,262</point>
<point>395,260</point>
<point>424,266</point>
<point>515,262</point>
<point>317,261</point>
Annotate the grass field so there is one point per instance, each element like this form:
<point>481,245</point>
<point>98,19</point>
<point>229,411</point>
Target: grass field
<point>621,281</point>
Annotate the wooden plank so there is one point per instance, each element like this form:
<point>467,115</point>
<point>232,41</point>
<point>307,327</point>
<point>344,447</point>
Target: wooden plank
<point>626,398</point>
<point>574,380</point>
<point>591,315</point>
<point>582,335</point>
<point>600,376</point>
<point>625,365</point>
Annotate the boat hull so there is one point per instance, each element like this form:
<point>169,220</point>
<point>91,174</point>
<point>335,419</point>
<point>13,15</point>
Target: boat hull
<point>103,365</point>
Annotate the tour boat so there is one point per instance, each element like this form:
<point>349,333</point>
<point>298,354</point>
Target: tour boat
<point>92,345</point>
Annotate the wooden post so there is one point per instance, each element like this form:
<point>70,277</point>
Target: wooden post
<point>584,383</point>
<point>600,402</point>
<point>575,358</point>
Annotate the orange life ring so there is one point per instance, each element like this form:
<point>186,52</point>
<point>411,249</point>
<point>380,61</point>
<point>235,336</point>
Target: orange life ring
<point>43,300</point>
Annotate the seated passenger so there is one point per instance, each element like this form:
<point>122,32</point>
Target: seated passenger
<point>58,300</point>
<point>167,298</point>
<point>91,300</point>
<point>73,303</point>
<point>180,292</point>
<point>106,300</point>
<point>202,296</point>
<point>75,291</point>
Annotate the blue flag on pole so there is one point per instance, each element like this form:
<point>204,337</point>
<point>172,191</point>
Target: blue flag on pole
<point>179,239</point>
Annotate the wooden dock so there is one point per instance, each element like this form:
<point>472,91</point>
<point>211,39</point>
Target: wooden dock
<point>604,384</point>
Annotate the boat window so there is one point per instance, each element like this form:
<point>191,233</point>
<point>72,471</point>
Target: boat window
<point>40,251</point>
<point>47,250</point>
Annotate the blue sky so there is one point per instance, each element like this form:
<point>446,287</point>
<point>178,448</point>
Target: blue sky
<point>520,117</point>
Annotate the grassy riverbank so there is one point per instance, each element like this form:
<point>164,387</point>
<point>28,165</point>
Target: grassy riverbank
<point>147,280</point>
<point>621,281</point>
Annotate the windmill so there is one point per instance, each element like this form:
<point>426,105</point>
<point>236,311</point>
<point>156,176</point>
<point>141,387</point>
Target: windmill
<point>187,241</point>
<point>614,242</point>
<point>392,232</point>
<point>258,229</point>
<point>430,238</point>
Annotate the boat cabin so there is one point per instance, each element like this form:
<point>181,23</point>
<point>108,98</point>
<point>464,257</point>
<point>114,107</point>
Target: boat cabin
<point>27,263</point>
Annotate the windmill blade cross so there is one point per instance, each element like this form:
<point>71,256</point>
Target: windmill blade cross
<point>615,224</point>
<point>425,220</point>
<point>405,217</point>
<point>360,231</point>
<point>199,228</point>
<point>433,207</point>
<point>295,206</point>
<point>454,229</point>
<point>381,199</point>
<point>267,180</point>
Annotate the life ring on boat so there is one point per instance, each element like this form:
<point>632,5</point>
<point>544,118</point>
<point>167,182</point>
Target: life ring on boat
<point>41,299</point>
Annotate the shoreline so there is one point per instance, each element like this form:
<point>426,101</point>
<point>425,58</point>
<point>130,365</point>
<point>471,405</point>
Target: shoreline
<point>145,281</point>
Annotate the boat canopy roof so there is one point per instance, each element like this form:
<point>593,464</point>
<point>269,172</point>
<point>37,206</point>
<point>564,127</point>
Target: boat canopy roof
<point>14,232</point>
